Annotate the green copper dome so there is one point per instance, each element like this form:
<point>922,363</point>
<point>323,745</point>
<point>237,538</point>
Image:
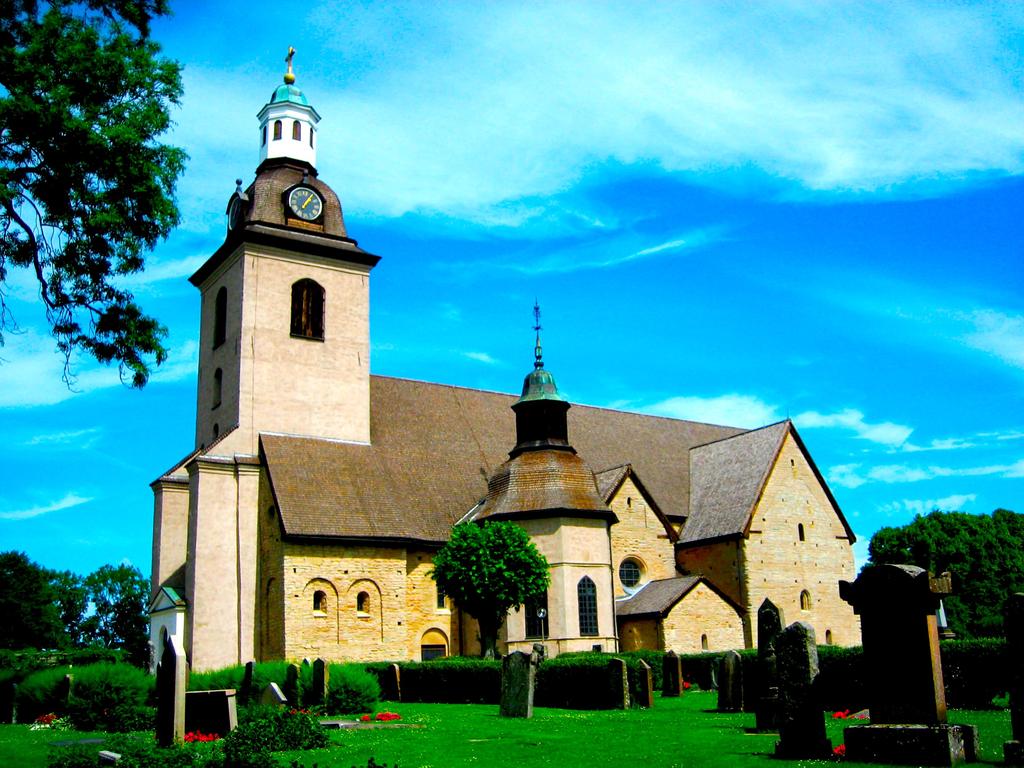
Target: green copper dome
<point>290,93</point>
<point>540,385</point>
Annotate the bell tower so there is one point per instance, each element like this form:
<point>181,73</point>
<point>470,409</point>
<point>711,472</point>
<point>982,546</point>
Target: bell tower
<point>284,340</point>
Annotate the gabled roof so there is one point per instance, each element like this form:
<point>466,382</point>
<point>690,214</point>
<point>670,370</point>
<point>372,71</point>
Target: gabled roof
<point>434,446</point>
<point>609,481</point>
<point>727,478</point>
<point>166,599</point>
<point>657,598</point>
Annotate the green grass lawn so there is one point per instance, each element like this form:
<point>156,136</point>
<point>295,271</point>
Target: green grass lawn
<point>676,732</point>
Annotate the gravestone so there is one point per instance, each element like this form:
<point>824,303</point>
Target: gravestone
<point>618,684</point>
<point>897,606</point>
<point>646,692</point>
<point>14,703</point>
<point>64,690</point>
<point>391,683</point>
<point>769,625</point>
<point>211,712</point>
<point>321,679</point>
<point>1013,622</point>
<point>518,674</point>
<point>246,692</point>
<point>801,720</point>
<point>171,682</point>
<point>730,682</point>
<point>291,684</point>
<point>273,695</point>
<point>671,675</point>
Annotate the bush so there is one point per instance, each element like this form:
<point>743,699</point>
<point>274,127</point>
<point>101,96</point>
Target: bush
<point>263,730</point>
<point>581,681</point>
<point>42,692</point>
<point>974,671</point>
<point>351,690</point>
<point>451,680</point>
<point>112,698</point>
<point>138,751</point>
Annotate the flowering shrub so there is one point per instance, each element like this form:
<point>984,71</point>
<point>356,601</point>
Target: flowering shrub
<point>50,721</point>
<point>199,736</point>
<point>381,717</point>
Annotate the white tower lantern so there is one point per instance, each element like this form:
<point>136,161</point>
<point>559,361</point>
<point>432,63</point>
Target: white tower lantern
<point>288,123</point>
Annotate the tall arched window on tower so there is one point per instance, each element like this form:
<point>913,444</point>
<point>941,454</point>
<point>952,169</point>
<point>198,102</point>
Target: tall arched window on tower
<point>296,130</point>
<point>586,595</point>
<point>277,130</point>
<point>218,386</point>
<point>308,309</point>
<point>220,317</point>
<point>263,141</point>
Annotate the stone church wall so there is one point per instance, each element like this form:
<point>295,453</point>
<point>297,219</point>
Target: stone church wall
<point>719,563</point>
<point>639,535</point>
<point>702,615</point>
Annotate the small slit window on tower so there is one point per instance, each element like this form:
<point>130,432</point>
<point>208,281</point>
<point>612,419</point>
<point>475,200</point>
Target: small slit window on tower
<point>311,132</point>
<point>277,130</point>
<point>320,601</point>
<point>586,595</point>
<point>800,531</point>
<point>218,386</point>
<point>263,139</point>
<point>220,317</point>
<point>805,601</point>
<point>308,309</point>
<point>703,642</point>
<point>296,130</point>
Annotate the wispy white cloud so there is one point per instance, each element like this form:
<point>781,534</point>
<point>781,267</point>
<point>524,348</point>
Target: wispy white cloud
<point>733,410</point>
<point>998,334</point>
<point>164,269</point>
<point>480,357</point>
<point>68,501</point>
<point>956,503</point>
<point>884,433</point>
<point>853,476</point>
<point>939,444</point>
<point>78,439</point>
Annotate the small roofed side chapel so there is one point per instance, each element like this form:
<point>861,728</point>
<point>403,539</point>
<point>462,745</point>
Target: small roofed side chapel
<point>303,521</point>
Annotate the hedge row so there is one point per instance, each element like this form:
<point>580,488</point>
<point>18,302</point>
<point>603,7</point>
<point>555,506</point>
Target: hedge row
<point>23,662</point>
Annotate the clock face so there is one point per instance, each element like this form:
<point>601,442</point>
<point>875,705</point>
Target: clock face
<point>236,217</point>
<point>305,203</point>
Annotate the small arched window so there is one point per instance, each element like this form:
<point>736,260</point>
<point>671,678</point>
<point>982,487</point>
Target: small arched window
<point>441,599</point>
<point>296,130</point>
<point>800,531</point>
<point>703,642</point>
<point>308,309</point>
<point>805,601</point>
<point>218,386</point>
<point>363,602</point>
<point>220,317</point>
<point>277,130</point>
<point>311,132</point>
<point>320,601</point>
<point>216,431</point>
<point>586,597</point>
<point>828,637</point>
<point>263,140</point>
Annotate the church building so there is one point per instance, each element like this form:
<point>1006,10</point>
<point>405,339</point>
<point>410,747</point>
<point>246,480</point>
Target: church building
<point>304,520</point>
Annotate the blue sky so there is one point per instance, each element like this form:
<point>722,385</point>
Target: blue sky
<point>731,212</point>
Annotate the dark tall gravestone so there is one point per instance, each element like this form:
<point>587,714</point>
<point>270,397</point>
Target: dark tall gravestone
<point>671,675</point>
<point>903,670</point>
<point>769,625</point>
<point>730,682</point>
<point>246,693</point>
<point>1013,621</point>
<point>801,720</point>
<point>618,684</point>
<point>291,684</point>
<point>321,679</point>
<point>171,682</point>
<point>518,673</point>
<point>646,687</point>
<point>211,712</point>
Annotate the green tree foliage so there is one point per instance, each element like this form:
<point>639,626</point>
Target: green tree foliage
<point>86,190</point>
<point>118,595</point>
<point>487,570</point>
<point>28,605</point>
<point>72,598</point>
<point>985,554</point>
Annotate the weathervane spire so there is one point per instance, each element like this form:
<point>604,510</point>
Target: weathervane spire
<point>538,362</point>
<point>289,76</point>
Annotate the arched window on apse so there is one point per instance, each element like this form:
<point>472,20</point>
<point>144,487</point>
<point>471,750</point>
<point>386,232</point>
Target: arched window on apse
<point>586,596</point>
<point>320,601</point>
<point>363,603</point>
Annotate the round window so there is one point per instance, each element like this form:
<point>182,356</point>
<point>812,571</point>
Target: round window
<point>629,573</point>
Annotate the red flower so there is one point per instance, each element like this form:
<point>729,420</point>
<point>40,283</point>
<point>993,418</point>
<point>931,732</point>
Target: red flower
<point>46,719</point>
<point>840,751</point>
<point>385,717</point>
<point>194,736</point>
<point>686,685</point>
<point>841,715</point>
<point>365,718</point>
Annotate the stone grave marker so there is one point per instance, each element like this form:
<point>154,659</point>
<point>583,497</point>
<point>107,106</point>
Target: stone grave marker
<point>211,712</point>
<point>730,682</point>
<point>1013,621</point>
<point>618,684</point>
<point>391,683</point>
<point>801,719</point>
<point>769,625</point>
<point>897,606</point>
<point>646,692</point>
<point>273,694</point>
<point>518,675</point>
<point>14,703</point>
<point>671,675</point>
<point>291,684</point>
<point>321,679</point>
<point>171,682</point>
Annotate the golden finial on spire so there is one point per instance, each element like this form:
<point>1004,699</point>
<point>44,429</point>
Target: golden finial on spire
<point>538,361</point>
<point>289,76</point>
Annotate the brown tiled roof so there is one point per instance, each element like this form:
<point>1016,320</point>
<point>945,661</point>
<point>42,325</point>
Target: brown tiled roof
<point>656,598</point>
<point>726,478</point>
<point>609,480</point>
<point>433,448</point>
